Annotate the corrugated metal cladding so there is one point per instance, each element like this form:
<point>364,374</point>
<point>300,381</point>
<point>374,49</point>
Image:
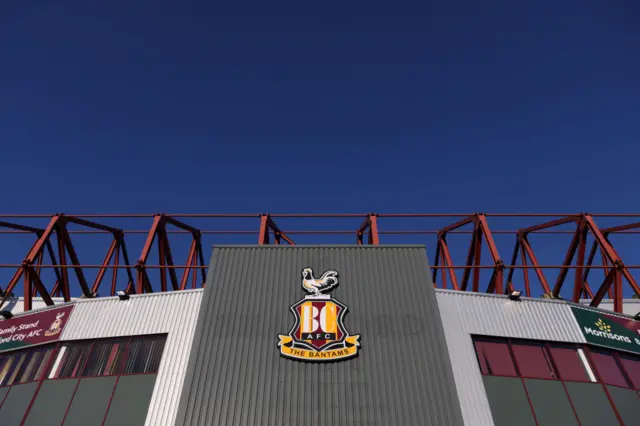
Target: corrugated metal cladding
<point>16,304</point>
<point>629,306</point>
<point>464,314</point>
<point>237,376</point>
<point>175,313</point>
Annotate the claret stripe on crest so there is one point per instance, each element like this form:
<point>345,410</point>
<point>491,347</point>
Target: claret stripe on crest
<point>319,322</point>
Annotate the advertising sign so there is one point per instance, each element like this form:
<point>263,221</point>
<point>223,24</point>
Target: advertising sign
<point>34,329</point>
<point>608,330</point>
<point>319,333</point>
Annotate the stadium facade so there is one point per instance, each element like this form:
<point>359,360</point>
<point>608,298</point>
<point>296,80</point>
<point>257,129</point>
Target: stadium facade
<point>318,335</point>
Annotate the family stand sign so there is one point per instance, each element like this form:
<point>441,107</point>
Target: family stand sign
<point>33,329</point>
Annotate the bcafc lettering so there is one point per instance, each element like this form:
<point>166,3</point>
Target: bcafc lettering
<point>319,324</point>
<point>319,336</point>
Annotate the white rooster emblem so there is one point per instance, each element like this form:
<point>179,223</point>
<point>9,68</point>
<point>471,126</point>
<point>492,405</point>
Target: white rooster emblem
<point>327,282</point>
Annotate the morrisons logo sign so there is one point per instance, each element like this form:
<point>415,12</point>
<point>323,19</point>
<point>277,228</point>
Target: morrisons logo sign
<point>608,330</point>
<point>604,330</point>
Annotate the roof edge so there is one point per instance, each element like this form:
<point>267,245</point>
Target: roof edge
<point>140,296</point>
<point>97,299</point>
<point>225,246</point>
<point>536,300</point>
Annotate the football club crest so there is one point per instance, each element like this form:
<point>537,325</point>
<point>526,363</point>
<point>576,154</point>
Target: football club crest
<point>56,325</point>
<point>318,333</point>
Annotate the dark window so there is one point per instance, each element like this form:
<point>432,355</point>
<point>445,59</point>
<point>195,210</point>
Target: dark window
<point>70,360</point>
<point>35,364</point>
<point>533,360</point>
<point>551,373</point>
<point>569,363</point>
<point>4,359</point>
<point>144,355</point>
<point>90,358</point>
<point>106,358</point>
<point>494,357</point>
<point>11,366</point>
<point>608,368</point>
<point>631,365</point>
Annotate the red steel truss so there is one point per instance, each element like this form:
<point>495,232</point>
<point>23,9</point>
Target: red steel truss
<point>57,242</point>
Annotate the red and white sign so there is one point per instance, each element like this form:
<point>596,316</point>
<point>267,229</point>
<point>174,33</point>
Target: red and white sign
<point>33,329</point>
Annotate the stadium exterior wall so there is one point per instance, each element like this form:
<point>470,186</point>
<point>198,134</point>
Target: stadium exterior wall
<point>237,376</point>
<point>465,314</point>
<point>174,313</point>
<point>221,364</point>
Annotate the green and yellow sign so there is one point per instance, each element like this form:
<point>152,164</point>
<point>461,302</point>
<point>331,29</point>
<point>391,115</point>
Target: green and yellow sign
<point>608,330</point>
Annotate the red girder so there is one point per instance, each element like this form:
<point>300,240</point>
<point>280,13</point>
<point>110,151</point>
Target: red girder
<point>584,225</point>
<point>65,255</point>
<point>159,231</point>
<point>480,230</point>
<point>32,281</point>
<point>267,225</point>
<point>38,232</point>
<point>370,226</point>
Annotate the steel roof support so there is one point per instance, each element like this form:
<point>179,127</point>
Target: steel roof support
<point>442,252</point>
<point>370,224</point>
<point>266,225</point>
<point>64,253</point>
<point>17,227</point>
<point>159,230</point>
<point>474,256</point>
<point>192,263</point>
<point>31,265</point>
<point>584,225</point>
<point>606,232</point>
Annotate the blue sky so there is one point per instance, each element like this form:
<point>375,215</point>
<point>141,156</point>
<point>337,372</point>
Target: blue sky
<point>134,106</point>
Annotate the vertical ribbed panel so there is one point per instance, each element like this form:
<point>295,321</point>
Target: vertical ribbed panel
<point>236,375</point>
<point>464,314</point>
<point>174,313</point>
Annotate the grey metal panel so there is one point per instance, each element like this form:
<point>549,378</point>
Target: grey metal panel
<point>236,375</point>
<point>131,400</point>
<point>498,316</point>
<point>16,403</point>
<point>591,404</point>
<point>509,404</point>
<point>90,402</point>
<point>16,304</point>
<point>174,313</point>
<point>3,393</point>
<point>627,403</point>
<point>51,403</point>
<point>550,403</point>
<point>464,314</point>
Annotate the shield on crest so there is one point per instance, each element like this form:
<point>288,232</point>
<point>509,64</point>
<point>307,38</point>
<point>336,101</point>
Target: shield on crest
<point>318,333</point>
